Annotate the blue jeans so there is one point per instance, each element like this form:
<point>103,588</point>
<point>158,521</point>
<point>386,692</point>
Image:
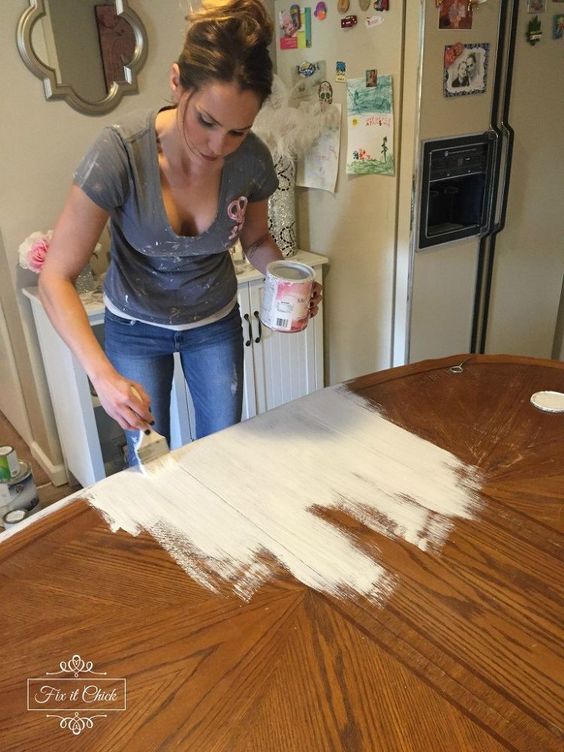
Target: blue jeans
<point>212,361</point>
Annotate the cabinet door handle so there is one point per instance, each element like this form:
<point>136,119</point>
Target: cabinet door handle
<point>258,339</point>
<point>248,320</point>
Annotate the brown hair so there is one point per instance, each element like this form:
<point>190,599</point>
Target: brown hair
<point>227,40</point>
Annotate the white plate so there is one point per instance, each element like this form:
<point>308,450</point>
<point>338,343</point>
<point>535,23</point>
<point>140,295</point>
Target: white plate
<point>550,402</point>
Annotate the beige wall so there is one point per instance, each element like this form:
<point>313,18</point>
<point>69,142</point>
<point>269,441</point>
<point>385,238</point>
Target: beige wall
<point>41,142</point>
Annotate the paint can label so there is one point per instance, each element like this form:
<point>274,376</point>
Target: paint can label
<point>287,293</point>
<point>20,492</point>
<point>9,465</point>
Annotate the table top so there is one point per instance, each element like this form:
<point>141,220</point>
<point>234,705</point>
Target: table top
<point>457,646</point>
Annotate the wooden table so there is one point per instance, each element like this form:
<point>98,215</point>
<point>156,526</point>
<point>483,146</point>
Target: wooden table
<point>466,654</point>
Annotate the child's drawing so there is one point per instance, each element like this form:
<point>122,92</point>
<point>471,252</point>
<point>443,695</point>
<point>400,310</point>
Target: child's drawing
<point>370,147</point>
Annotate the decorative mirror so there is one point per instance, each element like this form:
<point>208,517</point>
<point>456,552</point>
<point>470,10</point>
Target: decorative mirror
<point>87,52</point>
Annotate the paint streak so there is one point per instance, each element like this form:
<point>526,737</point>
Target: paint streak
<point>225,506</point>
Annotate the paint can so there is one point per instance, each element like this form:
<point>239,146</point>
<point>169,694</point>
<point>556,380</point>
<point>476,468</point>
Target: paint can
<point>9,465</point>
<point>287,293</point>
<point>19,492</point>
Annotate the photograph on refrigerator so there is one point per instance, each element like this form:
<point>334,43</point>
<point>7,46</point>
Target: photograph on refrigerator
<point>536,6</point>
<point>465,69</point>
<point>455,14</point>
<point>294,26</point>
<point>558,26</point>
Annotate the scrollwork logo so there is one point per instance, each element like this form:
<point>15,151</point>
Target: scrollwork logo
<point>67,690</point>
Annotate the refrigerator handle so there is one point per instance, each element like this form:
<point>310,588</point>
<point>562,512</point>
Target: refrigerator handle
<point>504,170</point>
<point>494,136</point>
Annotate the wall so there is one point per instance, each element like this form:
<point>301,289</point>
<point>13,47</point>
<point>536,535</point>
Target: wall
<point>41,142</point>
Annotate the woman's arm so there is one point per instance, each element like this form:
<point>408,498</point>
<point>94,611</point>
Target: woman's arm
<point>258,245</point>
<point>74,238</point>
<point>260,248</point>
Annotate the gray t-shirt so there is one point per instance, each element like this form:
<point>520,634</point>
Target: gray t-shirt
<point>156,275</point>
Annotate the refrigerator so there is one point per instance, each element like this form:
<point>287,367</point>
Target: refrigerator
<point>461,249</point>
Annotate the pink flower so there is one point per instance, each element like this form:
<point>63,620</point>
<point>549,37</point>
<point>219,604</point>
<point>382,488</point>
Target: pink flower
<point>33,250</point>
<point>37,254</point>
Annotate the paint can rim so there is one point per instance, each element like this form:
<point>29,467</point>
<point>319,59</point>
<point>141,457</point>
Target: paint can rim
<point>25,472</point>
<point>274,267</point>
<point>19,514</point>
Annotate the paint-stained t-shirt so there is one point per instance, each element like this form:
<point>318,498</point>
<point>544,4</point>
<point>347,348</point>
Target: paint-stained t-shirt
<point>156,275</point>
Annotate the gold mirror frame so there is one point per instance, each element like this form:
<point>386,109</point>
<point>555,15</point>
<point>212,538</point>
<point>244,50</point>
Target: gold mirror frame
<point>55,90</point>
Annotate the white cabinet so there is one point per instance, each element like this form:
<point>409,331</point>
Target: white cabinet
<point>279,367</point>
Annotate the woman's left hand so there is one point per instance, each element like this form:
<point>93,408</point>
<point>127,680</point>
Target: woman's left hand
<point>316,298</point>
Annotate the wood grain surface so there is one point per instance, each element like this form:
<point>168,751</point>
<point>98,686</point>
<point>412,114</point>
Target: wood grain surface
<point>466,654</point>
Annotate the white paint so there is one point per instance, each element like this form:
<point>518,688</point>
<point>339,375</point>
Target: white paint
<point>223,503</point>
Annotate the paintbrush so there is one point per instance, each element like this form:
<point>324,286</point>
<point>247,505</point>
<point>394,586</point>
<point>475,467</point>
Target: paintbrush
<point>150,445</point>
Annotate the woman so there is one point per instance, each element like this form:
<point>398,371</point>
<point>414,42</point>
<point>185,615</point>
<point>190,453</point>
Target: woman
<point>179,186</point>
<point>461,78</point>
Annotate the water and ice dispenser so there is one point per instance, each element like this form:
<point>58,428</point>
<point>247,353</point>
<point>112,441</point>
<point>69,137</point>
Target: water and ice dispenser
<point>455,189</point>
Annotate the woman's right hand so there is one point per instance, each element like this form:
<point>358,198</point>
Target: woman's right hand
<point>124,400</point>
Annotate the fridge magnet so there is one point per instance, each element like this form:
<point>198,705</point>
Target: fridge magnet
<point>364,5</point>
<point>372,21</point>
<point>306,78</point>
<point>319,165</point>
<point>558,26</point>
<point>465,69</point>
<point>370,143</point>
<point>348,21</point>
<point>325,93</point>
<point>295,28</point>
<point>340,71</point>
<point>320,11</point>
<point>452,52</point>
<point>371,77</point>
<point>381,5</point>
<point>343,5</point>
<point>534,32</point>
<point>455,14</point>
<point>306,70</point>
<point>536,6</point>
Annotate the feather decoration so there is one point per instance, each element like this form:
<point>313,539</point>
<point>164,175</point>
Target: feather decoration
<point>289,127</point>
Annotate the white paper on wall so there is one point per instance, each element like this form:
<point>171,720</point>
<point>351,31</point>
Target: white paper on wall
<point>319,166</point>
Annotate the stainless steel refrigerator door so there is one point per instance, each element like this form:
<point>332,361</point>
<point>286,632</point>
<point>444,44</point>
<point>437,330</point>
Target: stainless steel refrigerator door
<point>529,258</point>
<point>443,279</point>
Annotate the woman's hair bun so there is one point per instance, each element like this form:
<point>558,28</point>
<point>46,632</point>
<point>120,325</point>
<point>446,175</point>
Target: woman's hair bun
<point>227,40</point>
<point>248,19</point>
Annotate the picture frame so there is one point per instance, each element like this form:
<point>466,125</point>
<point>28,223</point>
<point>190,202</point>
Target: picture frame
<point>465,69</point>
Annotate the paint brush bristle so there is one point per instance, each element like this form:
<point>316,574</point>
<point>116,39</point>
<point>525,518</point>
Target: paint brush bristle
<point>149,447</point>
